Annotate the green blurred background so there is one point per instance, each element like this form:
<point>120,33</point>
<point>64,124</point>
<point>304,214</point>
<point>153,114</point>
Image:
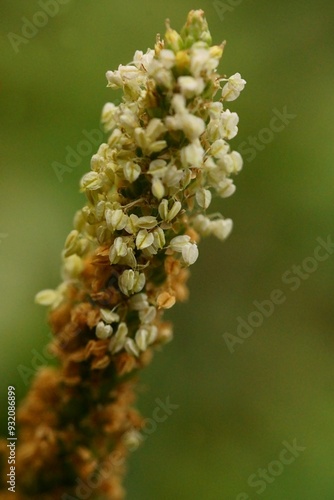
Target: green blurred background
<point>235,409</point>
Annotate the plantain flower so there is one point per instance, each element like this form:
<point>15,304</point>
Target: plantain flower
<point>126,260</point>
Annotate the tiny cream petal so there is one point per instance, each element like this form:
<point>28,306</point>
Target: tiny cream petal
<point>46,297</point>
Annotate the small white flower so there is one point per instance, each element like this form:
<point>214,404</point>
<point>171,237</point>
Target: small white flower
<point>160,74</point>
<point>72,267</point>
<point>108,116</point>
<point>114,79</point>
<point>179,104</point>
<point>159,238</point>
<point>163,209</point>
<point>131,171</point>
<point>120,246</point>
<point>214,130</point>
<point>203,197</point>
<point>122,331</point>
<point>131,347</point>
<point>144,239</point>
<point>174,210</point>
<point>91,181</point>
<point>215,109</point>
<point>115,137</point>
<point>109,316</point>
<point>131,282</point>
<point>186,177</point>
<point>103,331</point>
<point>158,189</point>
<point>155,128</point>
<point>229,121</point>
<point>147,315</point>
<point>191,125</point>
<point>209,164</point>
<point>52,298</point>
<point>147,222</point>
<point>131,226</point>
<point>222,228</point>
<point>231,163</point>
<point>179,242</point>
<point>113,257</point>
<point>173,176</point>
<point>166,213</point>
<point>231,90</point>
<point>129,259</point>
<point>190,254</point>
<point>190,86</point>
<point>117,250</point>
<point>99,210</point>
<point>202,62</point>
<point>116,219</point>
<point>129,72</point>
<point>188,250</point>
<point>225,188</point>
<point>145,336</point>
<point>141,138</point>
<point>128,119</point>
<point>157,146</point>
<point>140,59</point>
<point>141,339</point>
<point>192,155</point>
<point>152,333</point>
<point>219,148</point>
<point>138,302</point>
<point>47,297</point>
<point>117,341</point>
<point>167,58</point>
<point>237,161</point>
<point>157,168</point>
<point>146,143</point>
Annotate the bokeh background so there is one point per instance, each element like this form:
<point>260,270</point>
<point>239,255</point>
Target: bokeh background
<point>235,409</point>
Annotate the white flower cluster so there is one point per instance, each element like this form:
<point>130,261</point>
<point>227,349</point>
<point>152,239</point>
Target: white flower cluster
<point>145,335</point>
<point>153,180</point>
